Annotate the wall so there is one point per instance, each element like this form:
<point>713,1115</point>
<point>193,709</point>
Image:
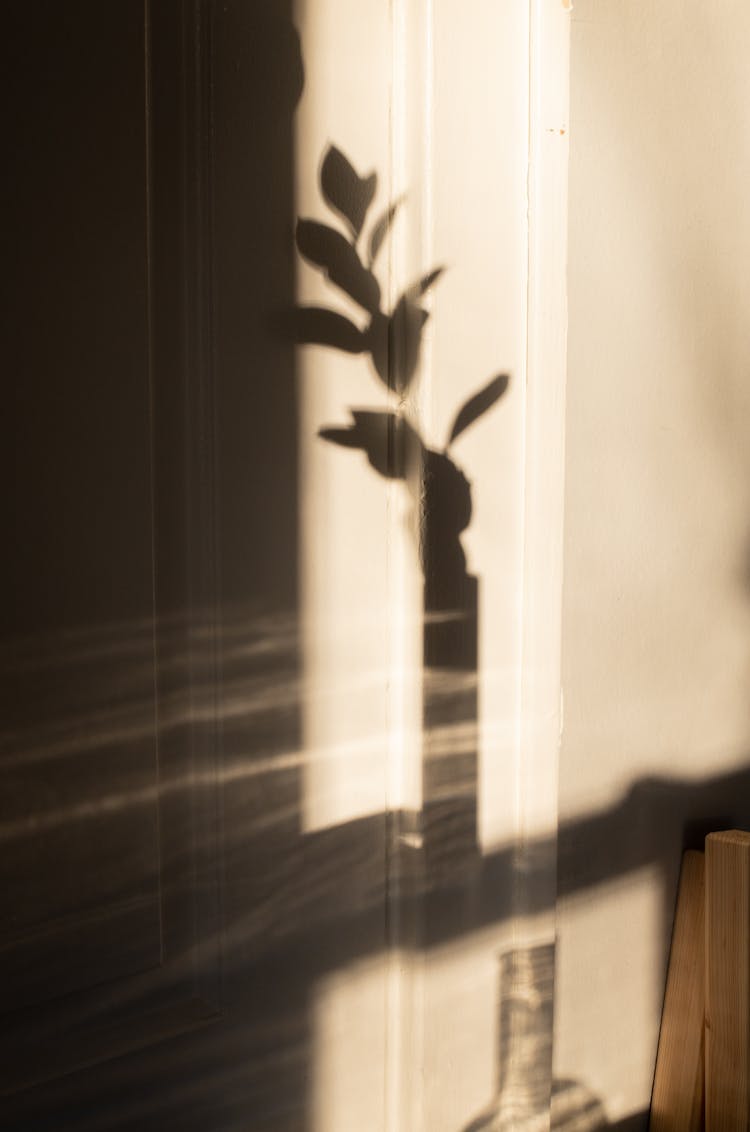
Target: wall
<point>461,114</point>
<point>656,649</point>
<point>355,686</point>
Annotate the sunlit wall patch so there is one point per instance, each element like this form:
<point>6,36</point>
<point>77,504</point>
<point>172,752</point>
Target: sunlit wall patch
<point>360,583</point>
<point>411,245</point>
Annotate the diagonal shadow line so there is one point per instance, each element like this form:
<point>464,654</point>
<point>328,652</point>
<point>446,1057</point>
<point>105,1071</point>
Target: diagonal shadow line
<point>651,826</point>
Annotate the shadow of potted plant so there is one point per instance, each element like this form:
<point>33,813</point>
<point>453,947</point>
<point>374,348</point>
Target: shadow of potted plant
<point>393,447</point>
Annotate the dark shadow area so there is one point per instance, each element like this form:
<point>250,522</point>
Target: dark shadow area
<point>147,214</point>
<point>78,620</point>
<point>635,1123</point>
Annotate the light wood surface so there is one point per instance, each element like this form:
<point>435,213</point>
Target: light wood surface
<point>677,1100</point>
<point>727,977</point>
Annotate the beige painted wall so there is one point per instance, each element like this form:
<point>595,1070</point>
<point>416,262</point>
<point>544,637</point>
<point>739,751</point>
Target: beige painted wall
<point>466,118</point>
<point>656,620</point>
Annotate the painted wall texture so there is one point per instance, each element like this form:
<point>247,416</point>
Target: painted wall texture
<point>656,609</point>
<point>462,120</point>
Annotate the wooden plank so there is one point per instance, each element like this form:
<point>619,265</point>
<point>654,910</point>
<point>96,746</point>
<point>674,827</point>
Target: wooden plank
<point>727,970</point>
<point>677,1099</point>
